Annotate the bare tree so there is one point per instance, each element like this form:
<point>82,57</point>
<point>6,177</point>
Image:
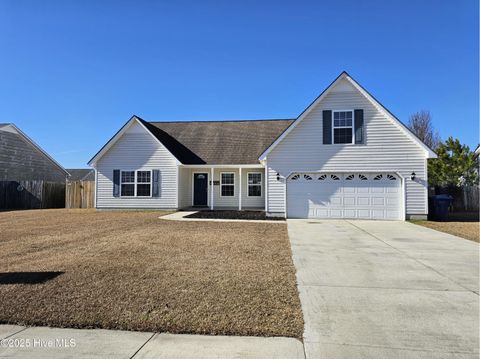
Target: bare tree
<point>420,123</point>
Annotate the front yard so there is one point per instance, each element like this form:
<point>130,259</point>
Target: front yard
<point>134,271</point>
<point>465,225</point>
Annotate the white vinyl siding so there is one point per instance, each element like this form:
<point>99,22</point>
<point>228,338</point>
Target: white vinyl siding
<point>386,148</point>
<point>184,187</point>
<point>137,150</point>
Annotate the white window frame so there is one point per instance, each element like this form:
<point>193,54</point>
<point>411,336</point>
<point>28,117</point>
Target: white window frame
<point>258,184</point>
<point>352,127</point>
<point>121,182</point>
<point>135,182</point>
<point>227,184</point>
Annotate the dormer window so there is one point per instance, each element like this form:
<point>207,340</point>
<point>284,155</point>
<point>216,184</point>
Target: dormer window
<point>342,127</point>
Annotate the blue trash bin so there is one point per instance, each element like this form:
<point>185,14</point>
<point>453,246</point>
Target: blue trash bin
<point>441,204</point>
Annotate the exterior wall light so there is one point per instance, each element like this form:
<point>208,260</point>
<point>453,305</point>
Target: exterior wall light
<point>413,176</point>
<point>278,176</point>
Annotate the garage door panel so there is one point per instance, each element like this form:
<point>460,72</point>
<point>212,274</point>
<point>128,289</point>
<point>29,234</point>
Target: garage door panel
<point>363,213</point>
<point>314,195</point>
<point>349,201</point>
<point>378,201</point>
<point>336,213</point>
<point>363,201</point>
<point>350,213</point>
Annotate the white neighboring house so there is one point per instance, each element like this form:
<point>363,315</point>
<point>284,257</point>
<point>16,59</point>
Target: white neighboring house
<point>345,156</point>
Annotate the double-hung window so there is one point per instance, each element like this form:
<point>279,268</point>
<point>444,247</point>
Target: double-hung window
<point>342,127</point>
<point>254,184</point>
<point>128,184</point>
<point>227,184</point>
<point>144,183</point>
<point>136,183</point>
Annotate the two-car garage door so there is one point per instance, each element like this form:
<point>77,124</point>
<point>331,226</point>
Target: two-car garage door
<point>344,195</point>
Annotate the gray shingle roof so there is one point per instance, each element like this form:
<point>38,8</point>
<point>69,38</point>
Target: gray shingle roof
<point>218,142</point>
<point>81,174</point>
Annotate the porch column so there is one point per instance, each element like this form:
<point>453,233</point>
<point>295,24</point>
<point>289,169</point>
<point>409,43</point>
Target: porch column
<point>240,189</point>
<point>211,188</point>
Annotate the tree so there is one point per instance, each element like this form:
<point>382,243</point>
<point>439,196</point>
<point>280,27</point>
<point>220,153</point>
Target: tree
<point>455,166</point>
<point>420,123</point>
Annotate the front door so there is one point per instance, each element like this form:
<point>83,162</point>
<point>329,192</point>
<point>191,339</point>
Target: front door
<point>200,189</point>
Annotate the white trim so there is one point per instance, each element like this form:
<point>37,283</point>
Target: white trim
<point>95,191</point>
<point>239,189</point>
<point>426,185</point>
<point>177,201</point>
<point>428,152</point>
<point>4,127</point>
<point>135,183</point>
<point>224,166</point>
<point>227,184</point>
<point>212,171</point>
<point>267,177</point>
<point>120,133</point>
<point>193,186</point>
<point>351,127</point>
<point>121,182</point>
<point>261,184</point>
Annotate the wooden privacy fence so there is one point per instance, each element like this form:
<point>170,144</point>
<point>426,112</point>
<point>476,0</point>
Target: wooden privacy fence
<point>80,194</point>
<point>31,194</point>
<point>470,198</point>
<point>465,198</point>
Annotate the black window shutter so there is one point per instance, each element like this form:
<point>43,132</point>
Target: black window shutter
<point>359,126</point>
<point>116,183</point>
<point>155,183</point>
<point>327,127</point>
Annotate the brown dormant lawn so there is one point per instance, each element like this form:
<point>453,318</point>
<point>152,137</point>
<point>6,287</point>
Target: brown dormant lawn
<point>134,271</point>
<point>467,230</point>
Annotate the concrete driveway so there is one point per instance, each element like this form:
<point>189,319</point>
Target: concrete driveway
<point>374,289</point>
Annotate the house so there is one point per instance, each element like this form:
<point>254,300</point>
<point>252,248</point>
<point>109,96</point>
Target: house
<point>21,159</point>
<point>81,174</point>
<point>344,156</point>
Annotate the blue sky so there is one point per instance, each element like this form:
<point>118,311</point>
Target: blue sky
<point>73,72</point>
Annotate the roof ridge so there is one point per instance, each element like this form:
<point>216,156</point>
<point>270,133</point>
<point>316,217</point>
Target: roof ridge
<point>221,121</point>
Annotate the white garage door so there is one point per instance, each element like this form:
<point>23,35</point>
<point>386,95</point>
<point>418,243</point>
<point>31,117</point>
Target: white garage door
<point>344,195</point>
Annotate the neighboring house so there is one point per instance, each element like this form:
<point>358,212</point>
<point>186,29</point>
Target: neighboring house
<point>81,174</point>
<point>21,159</point>
<point>345,156</point>
<point>477,151</point>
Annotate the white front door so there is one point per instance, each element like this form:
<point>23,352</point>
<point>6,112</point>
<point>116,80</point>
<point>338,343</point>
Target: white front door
<point>344,195</point>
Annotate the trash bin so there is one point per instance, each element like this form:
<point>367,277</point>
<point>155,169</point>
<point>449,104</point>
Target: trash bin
<point>441,203</point>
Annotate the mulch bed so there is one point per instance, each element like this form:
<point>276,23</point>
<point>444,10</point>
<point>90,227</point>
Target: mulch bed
<point>134,271</point>
<point>230,214</point>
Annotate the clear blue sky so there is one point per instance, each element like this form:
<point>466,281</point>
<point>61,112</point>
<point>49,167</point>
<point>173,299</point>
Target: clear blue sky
<point>73,72</point>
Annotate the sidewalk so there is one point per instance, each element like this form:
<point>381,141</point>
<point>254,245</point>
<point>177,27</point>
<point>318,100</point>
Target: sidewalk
<point>43,342</point>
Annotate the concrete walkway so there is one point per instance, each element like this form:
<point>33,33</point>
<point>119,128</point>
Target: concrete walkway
<point>43,342</point>
<point>181,216</point>
<point>373,289</point>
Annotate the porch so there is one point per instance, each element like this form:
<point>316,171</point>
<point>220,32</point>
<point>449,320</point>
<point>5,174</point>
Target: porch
<point>221,187</point>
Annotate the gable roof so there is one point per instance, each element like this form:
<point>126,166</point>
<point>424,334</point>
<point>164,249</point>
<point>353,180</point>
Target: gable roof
<point>344,75</point>
<point>218,142</point>
<point>81,174</point>
<point>209,142</point>
<point>10,127</point>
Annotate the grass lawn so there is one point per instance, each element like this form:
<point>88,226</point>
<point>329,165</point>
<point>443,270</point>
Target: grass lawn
<point>465,225</point>
<point>134,271</point>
